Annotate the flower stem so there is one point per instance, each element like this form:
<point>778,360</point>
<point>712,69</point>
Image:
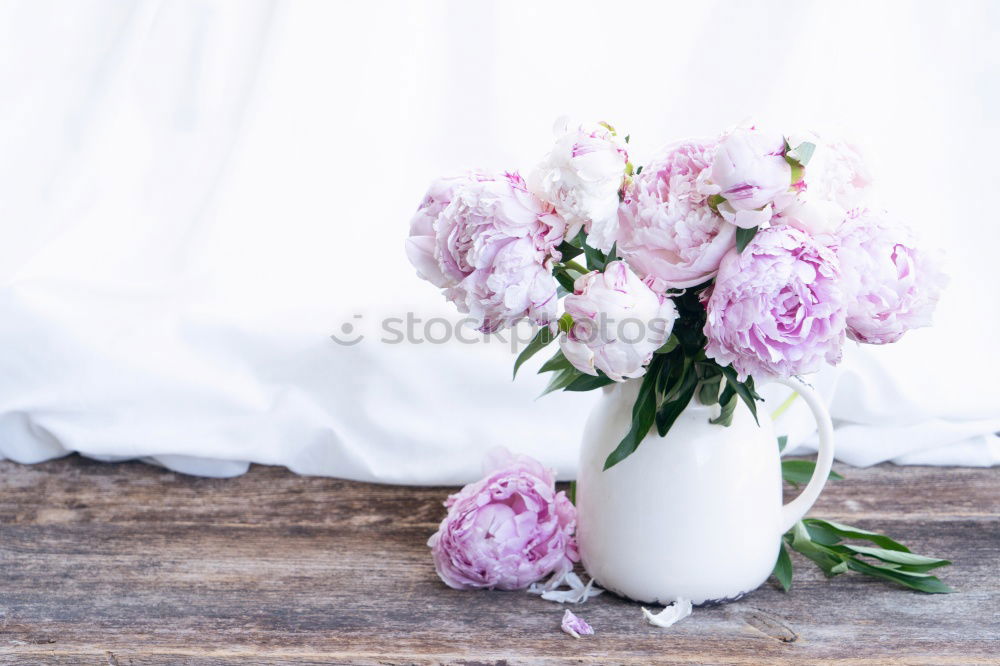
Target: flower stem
<point>576,267</point>
<point>783,407</point>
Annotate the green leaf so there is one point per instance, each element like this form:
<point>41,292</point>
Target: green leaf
<point>728,402</point>
<point>565,280</point>
<point>804,152</point>
<point>920,562</point>
<point>669,370</point>
<point>928,584</point>
<point>821,535</point>
<point>663,366</point>
<point>848,532</point>
<point>744,236</point>
<point>542,338</point>
<point>743,389</point>
<point>708,390</point>
<point>643,413</point>
<point>917,572</point>
<point>824,558</point>
<point>571,492</point>
<point>557,362</point>
<point>596,261</point>
<point>676,382</point>
<point>796,160</point>
<point>668,412</point>
<point>589,382</point>
<point>647,393</point>
<point>568,251</point>
<point>783,569</point>
<point>800,471</point>
<point>782,443</point>
<point>669,345</point>
<point>707,368</point>
<point>561,379</point>
<point>638,170</point>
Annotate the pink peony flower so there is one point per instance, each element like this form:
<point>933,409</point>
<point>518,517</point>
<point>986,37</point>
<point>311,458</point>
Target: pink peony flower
<point>750,172</point>
<point>618,322</point>
<point>489,244</point>
<point>668,233</point>
<point>421,246</point>
<point>506,531</point>
<point>777,308</point>
<point>890,285</point>
<point>581,178</point>
<point>835,184</point>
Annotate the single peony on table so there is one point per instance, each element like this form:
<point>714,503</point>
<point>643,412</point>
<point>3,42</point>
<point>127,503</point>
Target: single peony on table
<point>506,531</point>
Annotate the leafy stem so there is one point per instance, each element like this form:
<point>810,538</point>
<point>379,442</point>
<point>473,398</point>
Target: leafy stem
<point>783,407</point>
<point>823,542</point>
<point>572,265</point>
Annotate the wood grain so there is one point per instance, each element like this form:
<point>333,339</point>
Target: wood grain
<point>131,564</point>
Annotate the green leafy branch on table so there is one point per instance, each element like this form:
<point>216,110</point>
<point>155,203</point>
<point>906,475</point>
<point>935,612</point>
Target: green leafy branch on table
<point>823,542</point>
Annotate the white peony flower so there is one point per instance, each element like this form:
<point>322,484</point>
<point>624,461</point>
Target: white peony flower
<point>751,174</point>
<point>618,322</point>
<point>835,184</point>
<point>581,177</point>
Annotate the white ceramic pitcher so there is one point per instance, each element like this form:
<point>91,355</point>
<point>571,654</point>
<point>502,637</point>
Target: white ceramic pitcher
<point>697,514</point>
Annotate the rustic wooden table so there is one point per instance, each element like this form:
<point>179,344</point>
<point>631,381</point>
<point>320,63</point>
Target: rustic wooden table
<point>131,564</point>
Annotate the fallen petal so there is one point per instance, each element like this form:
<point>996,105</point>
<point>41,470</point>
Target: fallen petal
<point>673,613</point>
<point>575,626</point>
<point>555,580</point>
<point>576,594</point>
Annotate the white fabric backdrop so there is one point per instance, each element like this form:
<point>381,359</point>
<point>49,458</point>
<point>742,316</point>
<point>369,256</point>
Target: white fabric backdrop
<point>194,195</point>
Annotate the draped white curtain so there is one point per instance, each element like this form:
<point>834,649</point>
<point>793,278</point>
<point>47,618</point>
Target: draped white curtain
<point>195,194</point>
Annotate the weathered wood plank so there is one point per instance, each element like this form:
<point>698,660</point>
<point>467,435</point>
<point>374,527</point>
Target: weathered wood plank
<point>133,564</point>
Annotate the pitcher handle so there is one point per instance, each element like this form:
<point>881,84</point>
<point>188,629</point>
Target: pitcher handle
<point>793,512</point>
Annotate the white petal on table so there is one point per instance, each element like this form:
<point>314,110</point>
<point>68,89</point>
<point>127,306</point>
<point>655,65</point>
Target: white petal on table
<point>670,615</point>
<point>576,594</point>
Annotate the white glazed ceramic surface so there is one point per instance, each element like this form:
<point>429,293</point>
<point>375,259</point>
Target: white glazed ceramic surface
<point>696,514</point>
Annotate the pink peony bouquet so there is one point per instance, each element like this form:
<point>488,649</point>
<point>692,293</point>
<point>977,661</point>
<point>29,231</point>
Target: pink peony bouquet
<point>720,263</point>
